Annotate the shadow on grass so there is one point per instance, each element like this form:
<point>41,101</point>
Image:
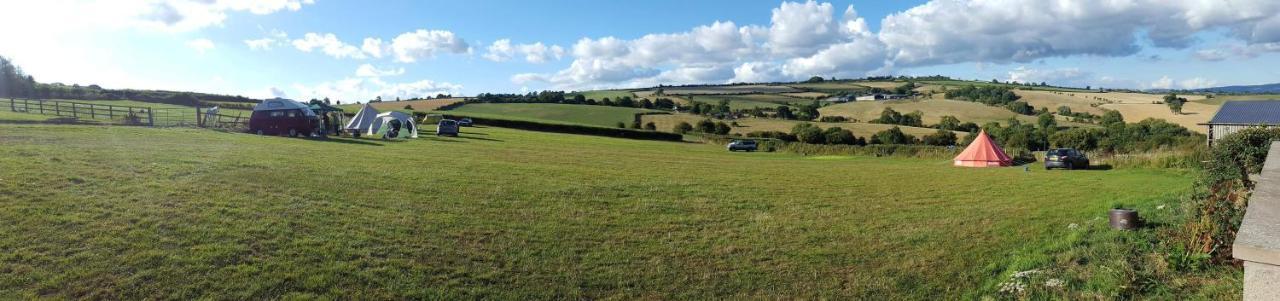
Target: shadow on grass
<point>347,141</point>
<point>438,139</point>
<point>1099,167</point>
<point>478,138</point>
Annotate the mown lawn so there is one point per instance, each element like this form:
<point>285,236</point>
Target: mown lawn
<point>134,213</point>
<point>602,116</point>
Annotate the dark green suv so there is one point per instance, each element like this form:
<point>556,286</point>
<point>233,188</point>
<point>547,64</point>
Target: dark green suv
<point>1068,158</point>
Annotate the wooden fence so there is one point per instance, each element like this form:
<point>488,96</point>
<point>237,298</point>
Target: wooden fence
<point>128,115</point>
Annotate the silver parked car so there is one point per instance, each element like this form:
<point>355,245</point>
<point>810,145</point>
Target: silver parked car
<point>743,145</point>
<point>447,127</point>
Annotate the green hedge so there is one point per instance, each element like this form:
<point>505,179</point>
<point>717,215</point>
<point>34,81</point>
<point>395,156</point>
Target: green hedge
<point>572,129</point>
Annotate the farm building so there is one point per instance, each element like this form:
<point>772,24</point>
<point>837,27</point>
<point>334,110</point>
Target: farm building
<point>881,97</point>
<point>1237,115</point>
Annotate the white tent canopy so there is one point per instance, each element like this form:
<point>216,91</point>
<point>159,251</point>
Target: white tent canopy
<point>363,120</point>
<point>407,128</point>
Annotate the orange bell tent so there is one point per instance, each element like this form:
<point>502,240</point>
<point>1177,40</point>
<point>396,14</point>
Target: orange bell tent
<point>983,152</point>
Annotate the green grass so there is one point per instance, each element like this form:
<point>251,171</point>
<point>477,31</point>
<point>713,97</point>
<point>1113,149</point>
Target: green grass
<point>1220,99</point>
<point>134,213</point>
<point>749,101</point>
<point>603,116</point>
<point>600,95</point>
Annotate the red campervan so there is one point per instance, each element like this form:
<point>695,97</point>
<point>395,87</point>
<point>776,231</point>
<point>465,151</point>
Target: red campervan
<point>282,116</point>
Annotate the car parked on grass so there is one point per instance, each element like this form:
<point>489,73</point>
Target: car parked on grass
<point>1068,158</point>
<point>465,122</point>
<point>743,145</point>
<point>447,127</point>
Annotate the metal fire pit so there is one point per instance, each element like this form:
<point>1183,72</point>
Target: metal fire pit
<point>1124,219</point>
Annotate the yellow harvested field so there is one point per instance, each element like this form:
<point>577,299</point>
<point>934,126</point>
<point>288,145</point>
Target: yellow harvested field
<point>418,105</point>
<point>667,122</point>
<point>882,85</point>
<point>740,89</point>
<point>649,95</point>
<point>810,95</point>
<point>933,110</point>
<point>1081,102</point>
<point>1135,98</point>
<point>1193,113</point>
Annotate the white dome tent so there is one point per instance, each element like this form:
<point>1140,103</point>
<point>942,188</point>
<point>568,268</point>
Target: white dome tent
<point>384,122</point>
<point>362,121</point>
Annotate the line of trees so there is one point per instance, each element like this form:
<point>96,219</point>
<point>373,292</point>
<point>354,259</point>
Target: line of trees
<point>992,96</point>
<point>561,97</point>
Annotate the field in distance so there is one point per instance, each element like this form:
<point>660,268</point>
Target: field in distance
<point>508,214</point>
<point>601,116</point>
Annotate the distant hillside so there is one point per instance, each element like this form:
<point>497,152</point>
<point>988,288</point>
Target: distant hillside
<point>1255,89</point>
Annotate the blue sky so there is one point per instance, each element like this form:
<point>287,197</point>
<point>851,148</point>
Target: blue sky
<point>358,50</point>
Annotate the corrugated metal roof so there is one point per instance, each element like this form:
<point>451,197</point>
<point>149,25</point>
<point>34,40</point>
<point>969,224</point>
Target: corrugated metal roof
<point>1248,112</point>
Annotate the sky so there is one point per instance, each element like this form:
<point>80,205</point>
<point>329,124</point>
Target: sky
<point>358,50</point>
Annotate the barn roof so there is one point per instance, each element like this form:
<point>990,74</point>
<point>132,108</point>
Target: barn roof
<point>1248,112</point>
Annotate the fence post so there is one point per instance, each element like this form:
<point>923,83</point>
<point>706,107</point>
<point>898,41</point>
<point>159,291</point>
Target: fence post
<point>93,113</point>
<point>151,119</point>
<point>111,112</point>
<point>199,123</point>
<point>74,113</point>
<point>13,106</point>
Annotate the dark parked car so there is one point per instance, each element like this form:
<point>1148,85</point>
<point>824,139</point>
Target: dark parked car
<point>464,122</point>
<point>743,145</point>
<point>1068,158</point>
<point>283,117</point>
<point>447,127</point>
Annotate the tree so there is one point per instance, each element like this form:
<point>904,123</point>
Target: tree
<point>892,135</point>
<point>650,126</point>
<point>579,98</point>
<point>1047,121</point>
<point>1175,103</point>
<point>408,107</point>
<point>722,128</point>
<point>682,128</point>
<point>837,135</point>
<point>950,123</point>
<point>814,79</point>
<point>784,112</point>
<point>622,125</point>
<point>940,138</point>
<point>1064,110</point>
<point>1112,117</point>
<point>808,133</point>
<point>377,99</point>
<point>706,126</point>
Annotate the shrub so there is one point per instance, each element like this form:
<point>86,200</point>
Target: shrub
<point>808,133</point>
<point>893,135</point>
<point>833,119</point>
<point>722,128</point>
<point>650,126</point>
<point>682,128</point>
<point>773,135</point>
<point>621,125</point>
<point>837,135</point>
<point>573,129</point>
<point>706,126</point>
<point>940,138</point>
<point>1221,196</point>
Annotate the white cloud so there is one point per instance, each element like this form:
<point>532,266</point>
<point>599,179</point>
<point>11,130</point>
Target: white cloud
<point>274,38</point>
<point>537,53</point>
<point>1061,77</point>
<point>164,15</point>
<point>373,47</point>
<point>367,70</point>
<point>1211,55</point>
<point>755,72</point>
<point>1197,83</point>
<point>329,44</point>
<point>1163,83</point>
<point>350,90</point>
<point>500,51</point>
<point>802,28</point>
<point>411,46</point>
<point>200,45</point>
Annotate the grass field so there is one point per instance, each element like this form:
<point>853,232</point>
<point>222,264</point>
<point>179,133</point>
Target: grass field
<point>141,213</point>
<point>603,116</point>
<point>666,123</point>
<point>733,89</point>
<point>611,94</point>
<point>418,105</point>
<point>749,101</point>
<point>1055,99</point>
<point>1219,99</point>
<point>933,110</point>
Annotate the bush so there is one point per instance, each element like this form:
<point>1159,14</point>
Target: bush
<point>621,125</point>
<point>1221,195</point>
<point>833,119</point>
<point>940,138</point>
<point>837,135</point>
<point>572,129</point>
<point>808,133</point>
<point>706,126</point>
<point>722,128</point>
<point>682,128</point>
<point>892,136</point>
<point>773,135</point>
<point>650,126</point>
